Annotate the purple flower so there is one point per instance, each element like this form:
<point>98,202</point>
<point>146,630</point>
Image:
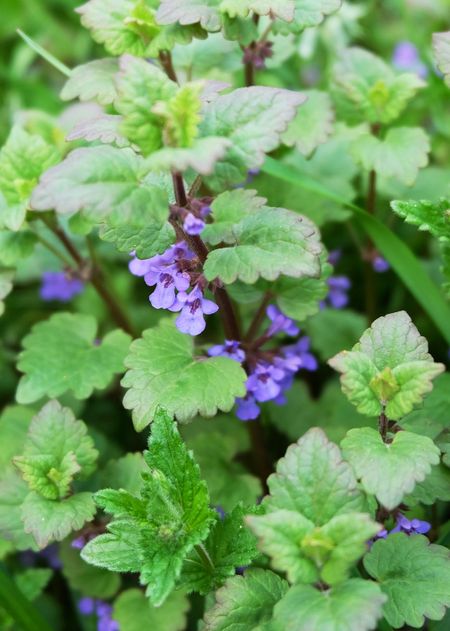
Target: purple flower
<point>86,606</point>
<point>263,381</point>
<point>247,409</point>
<point>406,58</point>
<point>230,349</point>
<point>193,306</point>
<point>59,286</point>
<point>337,294</point>
<point>78,543</point>
<point>280,322</point>
<point>380,264</point>
<point>411,527</point>
<point>220,511</point>
<point>300,353</point>
<point>334,257</point>
<point>193,225</point>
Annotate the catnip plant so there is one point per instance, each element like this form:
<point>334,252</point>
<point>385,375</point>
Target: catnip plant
<point>195,313</point>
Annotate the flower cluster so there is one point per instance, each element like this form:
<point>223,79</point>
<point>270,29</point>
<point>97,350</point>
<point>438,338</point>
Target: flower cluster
<point>408,526</point>
<point>60,286</point>
<point>103,611</point>
<point>173,274</point>
<point>194,219</point>
<point>270,373</point>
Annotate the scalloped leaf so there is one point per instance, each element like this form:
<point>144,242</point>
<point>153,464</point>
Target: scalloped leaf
<point>431,216</point>
<point>93,81</point>
<point>313,123</point>
<point>134,612</point>
<point>441,48</point>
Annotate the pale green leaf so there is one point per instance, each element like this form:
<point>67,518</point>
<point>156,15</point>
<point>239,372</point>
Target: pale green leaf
<point>426,215</point>
<point>16,246</point>
<point>14,423</point>
<point>312,479</point>
<point>313,124</point>
<point>181,115</point>
<point>366,89</point>
<point>389,368</point>
<point>52,520</point>
<point>400,154</point>
<point>433,415</point>
<point>46,475</point>
<point>436,486</point>
<point>204,12</point>
<point>93,81</point>
<point>246,602</point>
<point>73,362</point>
<point>23,158</point>
<point>268,243</point>
<point>312,12</point>
<point>389,470</point>
<point>6,285</point>
<point>103,128</point>
<point>253,119</point>
<point>283,9</point>
<point>162,370</point>
<point>13,491</point>
<point>117,551</point>
<point>414,575</point>
<point>134,612</point>
<point>441,48</point>
<point>352,606</point>
<point>87,579</point>
<point>201,156</point>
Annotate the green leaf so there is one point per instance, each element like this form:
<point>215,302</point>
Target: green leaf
<point>426,215</point>
<point>49,520</point>
<point>436,486</point>
<point>333,329</point>
<point>441,49</point>
<point>153,534</point>
<point>389,470</point>
<point>308,554</point>
<point>202,156</point>
<point>22,160</point>
<point>87,579</point>
<point>313,124</point>
<point>433,415</point>
<point>6,285</point>
<point>312,12</point>
<point>93,81</point>
<point>246,602</point>
<point>204,12</point>
<point>312,479</point>
<point>229,545</point>
<point>73,362</point>
<point>401,258</point>
<point>33,581</point>
<point>283,9</point>
<point>56,450</point>
<point>414,575</point>
<point>389,369</point>
<point>101,181</point>
<point>258,253</point>
<point>299,298</point>
<point>181,115</point>
<point>162,370</point>
<point>16,246</point>
<point>140,86</point>
<point>18,606</point>
<point>13,491</point>
<point>400,154</point>
<point>104,128</point>
<point>134,612</point>
<point>253,119</point>
<point>124,473</point>
<point>365,88</point>
<point>351,606</point>
<point>14,423</point>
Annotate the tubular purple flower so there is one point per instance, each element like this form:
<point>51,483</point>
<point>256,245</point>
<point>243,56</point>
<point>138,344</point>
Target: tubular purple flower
<point>337,295</point>
<point>193,307</point>
<point>280,322</point>
<point>247,409</point>
<point>406,58</point>
<point>59,286</point>
<point>193,225</point>
<point>230,349</point>
<point>380,265</point>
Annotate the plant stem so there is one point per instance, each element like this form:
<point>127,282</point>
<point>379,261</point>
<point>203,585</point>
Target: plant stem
<point>166,61</point>
<point>383,423</point>
<point>370,279</point>
<point>249,74</point>
<point>96,278</point>
<point>51,248</point>
<point>258,318</point>
<point>204,556</point>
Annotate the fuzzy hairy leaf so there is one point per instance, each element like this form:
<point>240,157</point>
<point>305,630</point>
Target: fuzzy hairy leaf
<point>389,368</point>
<point>268,243</point>
<point>100,181</point>
<point>414,575</point>
<point>433,217</point>
<point>51,520</point>
<point>389,470</point>
<point>352,606</point>
<point>153,534</point>
<point>201,156</point>
<point>23,158</point>
<point>227,210</point>
<point>366,89</point>
<point>312,125</point>
<point>312,479</point>
<point>103,128</point>
<point>134,612</point>
<point>73,362</point>
<point>308,554</point>
<point>441,48</point>
<point>229,545</point>
<point>400,154</point>
<point>93,81</point>
<point>163,371</point>
<point>253,119</point>
<point>246,602</point>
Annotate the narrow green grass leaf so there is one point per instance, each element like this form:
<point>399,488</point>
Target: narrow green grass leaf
<point>45,54</point>
<point>20,608</point>
<point>400,257</point>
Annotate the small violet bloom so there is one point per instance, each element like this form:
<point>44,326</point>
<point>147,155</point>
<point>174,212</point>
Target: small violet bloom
<point>406,58</point>
<point>59,286</point>
<point>263,382</point>
<point>411,527</point>
<point>300,351</point>
<point>193,225</point>
<point>230,349</point>
<point>193,307</point>
<point>338,291</point>
<point>380,265</point>
<point>86,606</point>
<point>247,409</point>
<point>280,322</point>
<point>78,543</point>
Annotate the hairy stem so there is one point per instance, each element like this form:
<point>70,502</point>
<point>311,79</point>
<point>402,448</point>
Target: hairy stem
<point>383,424</point>
<point>166,61</point>
<point>258,318</point>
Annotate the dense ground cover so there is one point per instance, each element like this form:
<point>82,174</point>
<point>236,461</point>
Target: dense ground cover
<point>224,284</point>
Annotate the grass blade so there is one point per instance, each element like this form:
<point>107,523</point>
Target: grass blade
<point>45,54</point>
<point>23,612</point>
<point>400,257</point>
